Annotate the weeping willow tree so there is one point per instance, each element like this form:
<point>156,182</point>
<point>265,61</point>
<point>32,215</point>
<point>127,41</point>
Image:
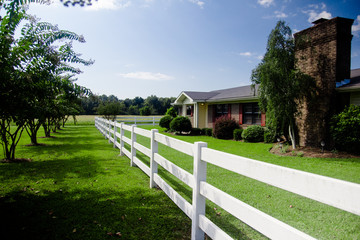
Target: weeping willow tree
<point>281,85</point>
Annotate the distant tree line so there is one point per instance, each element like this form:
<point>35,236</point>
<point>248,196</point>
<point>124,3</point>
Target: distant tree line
<point>152,105</point>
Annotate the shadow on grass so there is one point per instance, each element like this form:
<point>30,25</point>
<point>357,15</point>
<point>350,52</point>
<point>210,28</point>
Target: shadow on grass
<point>90,214</point>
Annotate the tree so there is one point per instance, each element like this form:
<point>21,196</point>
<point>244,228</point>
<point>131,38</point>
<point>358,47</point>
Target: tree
<point>109,110</point>
<point>345,129</point>
<point>30,70</point>
<point>171,112</point>
<point>12,96</point>
<point>44,65</point>
<point>145,111</point>
<point>154,104</point>
<point>281,85</point>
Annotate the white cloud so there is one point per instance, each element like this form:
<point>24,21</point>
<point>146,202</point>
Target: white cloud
<point>250,55</point>
<point>246,54</point>
<point>266,3</point>
<point>147,76</point>
<point>108,5</point>
<point>356,27</point>
<point>279,14</point>
<point>198,2</point>
<point>313,16</point>
<point>317,6</point>
<point>314,13</point>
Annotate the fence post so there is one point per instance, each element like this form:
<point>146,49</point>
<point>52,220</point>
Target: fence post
<point>109,130</point>
<point>153,164</point>
<point>121,139</point>
<point>133,150</point>
<point>198,201</point>
<point>104,127</point>
<point>135,120</point>
<point>115,130</point>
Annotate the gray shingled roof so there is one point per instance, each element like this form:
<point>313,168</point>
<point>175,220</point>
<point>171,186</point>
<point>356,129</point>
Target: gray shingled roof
<point>228,94</point>
<point>354,81</point>
<point>236,93</point>
<point>200,96</point>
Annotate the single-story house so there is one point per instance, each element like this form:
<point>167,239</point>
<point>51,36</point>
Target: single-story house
<point>350,89</point>
<point>323,51</point>
<point>241,103</point>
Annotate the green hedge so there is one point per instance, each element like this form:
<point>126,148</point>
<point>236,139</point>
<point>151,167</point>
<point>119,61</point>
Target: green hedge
<point>254,133</point>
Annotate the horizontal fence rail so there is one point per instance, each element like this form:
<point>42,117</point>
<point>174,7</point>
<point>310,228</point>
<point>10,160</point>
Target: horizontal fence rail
<point>337,193</point>
<point>139,120</point>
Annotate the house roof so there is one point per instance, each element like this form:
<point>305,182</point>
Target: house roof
<point>249,93</point>
<point>354,83</point>
<point>223,95</point>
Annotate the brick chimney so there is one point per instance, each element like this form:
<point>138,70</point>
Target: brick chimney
<point>323,51</point>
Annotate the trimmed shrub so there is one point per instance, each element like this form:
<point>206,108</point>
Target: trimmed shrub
<point>237,134</point>
<point>206,131</point>
<point>165,122</point>
<point>171,112</point>
<point>209,132</point>
<point>253,133</point>
<point>203,131</point>
<point>196,131</point>
<point>224,127</point>
<point>269,135</point>
<point>345,129</point>
<point>181,124</point>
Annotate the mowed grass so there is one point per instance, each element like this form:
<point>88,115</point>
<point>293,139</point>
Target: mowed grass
<point>77,187</point>
<point>316,219</point>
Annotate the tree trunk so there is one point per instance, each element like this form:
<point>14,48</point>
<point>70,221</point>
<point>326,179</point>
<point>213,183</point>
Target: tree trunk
<point>32,128</point>
<point>10,139</point>
<point>46,126</point>
<point>292,136</point>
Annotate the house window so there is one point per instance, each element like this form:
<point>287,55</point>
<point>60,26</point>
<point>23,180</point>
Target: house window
<point>189,110</point>
<point>251,113</point>
<point>221,110</point>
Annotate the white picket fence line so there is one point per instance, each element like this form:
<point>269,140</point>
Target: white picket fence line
<point>337,193</point>
<point>140,120</point>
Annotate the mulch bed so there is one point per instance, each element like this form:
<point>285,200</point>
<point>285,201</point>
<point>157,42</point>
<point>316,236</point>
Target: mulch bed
<point>311,152</point>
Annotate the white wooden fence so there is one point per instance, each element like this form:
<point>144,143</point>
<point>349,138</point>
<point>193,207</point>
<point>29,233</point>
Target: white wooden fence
<point>139,120</point>
<point>340,194</point>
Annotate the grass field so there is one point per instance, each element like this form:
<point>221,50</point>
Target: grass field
<point>316,219</point>
<point>78,188</point>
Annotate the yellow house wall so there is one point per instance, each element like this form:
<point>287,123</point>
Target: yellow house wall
<point>202,115</point>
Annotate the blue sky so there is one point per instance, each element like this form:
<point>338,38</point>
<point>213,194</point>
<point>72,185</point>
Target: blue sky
<point>162,47</point>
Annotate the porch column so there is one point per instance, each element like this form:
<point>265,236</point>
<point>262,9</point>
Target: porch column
<point>183,110</point>
<point>196,115</point>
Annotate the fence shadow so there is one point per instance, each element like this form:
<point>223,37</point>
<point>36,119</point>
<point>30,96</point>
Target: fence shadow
<point>86,214</point>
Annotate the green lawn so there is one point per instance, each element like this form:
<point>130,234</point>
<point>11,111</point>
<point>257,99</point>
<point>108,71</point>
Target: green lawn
<point>78,188</point>
<point>316,219</point>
